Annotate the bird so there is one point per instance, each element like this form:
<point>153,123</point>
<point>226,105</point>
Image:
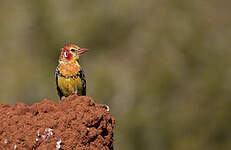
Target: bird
<point>69,75</point>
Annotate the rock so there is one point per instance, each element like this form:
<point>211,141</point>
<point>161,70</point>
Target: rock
<point>77,122</point>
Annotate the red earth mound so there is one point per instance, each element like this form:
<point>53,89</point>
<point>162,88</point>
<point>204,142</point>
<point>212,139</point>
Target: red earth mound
<point>75,123</point>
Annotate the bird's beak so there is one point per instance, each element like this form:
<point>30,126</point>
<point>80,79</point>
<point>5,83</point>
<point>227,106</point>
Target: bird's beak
<point>82,50</point>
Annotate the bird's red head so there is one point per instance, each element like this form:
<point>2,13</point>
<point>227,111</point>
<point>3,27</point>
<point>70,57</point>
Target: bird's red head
<point>71,52</point>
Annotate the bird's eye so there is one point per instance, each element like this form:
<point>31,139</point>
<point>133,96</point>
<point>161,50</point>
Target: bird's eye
<point>73,50</point>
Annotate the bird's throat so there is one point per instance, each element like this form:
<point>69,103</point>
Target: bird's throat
<point>69,69</point>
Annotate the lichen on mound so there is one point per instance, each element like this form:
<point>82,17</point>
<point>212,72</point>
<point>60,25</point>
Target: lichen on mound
<point>77,122</point>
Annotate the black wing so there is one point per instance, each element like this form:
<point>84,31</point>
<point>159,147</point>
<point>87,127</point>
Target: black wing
<point>83,79</point>
<point>57,86</point>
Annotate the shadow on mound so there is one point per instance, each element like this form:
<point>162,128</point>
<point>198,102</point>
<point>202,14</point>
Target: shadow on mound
<point>74,123</point>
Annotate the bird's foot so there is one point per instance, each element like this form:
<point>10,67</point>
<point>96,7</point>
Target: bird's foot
<point>75,92</point>
<point>62,98</point>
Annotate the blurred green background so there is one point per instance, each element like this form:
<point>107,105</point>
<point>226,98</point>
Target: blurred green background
<point>163,67</point>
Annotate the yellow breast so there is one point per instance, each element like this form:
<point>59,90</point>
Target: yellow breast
<point>70,86</point>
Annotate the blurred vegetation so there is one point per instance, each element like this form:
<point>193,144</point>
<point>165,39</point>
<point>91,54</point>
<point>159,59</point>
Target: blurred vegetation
<point>163,66</point>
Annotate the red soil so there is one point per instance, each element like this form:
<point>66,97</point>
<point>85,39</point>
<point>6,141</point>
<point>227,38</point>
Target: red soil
<point>74,123</point>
